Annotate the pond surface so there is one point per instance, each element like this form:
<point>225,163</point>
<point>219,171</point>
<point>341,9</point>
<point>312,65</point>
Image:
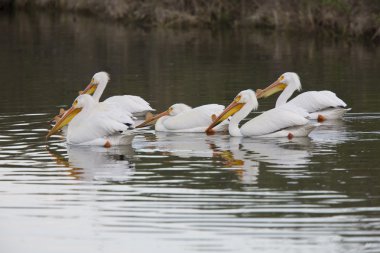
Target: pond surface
<point>183,192</point>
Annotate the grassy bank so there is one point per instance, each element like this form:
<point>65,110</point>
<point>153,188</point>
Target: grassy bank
<point>339,17</point>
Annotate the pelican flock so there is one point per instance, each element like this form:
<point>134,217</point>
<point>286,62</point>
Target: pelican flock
<point>113,121</point>
<point>277,122</point>
<point>135,105</point>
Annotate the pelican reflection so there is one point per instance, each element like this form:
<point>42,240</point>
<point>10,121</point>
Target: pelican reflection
<point>246,154</point>
<point>184,145</point>
<point>242,156</point>
<point>97,163</point>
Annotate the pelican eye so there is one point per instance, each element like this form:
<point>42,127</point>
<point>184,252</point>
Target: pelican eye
<point>237,99</point>
<point>75,103</point>
<point>281,78</point>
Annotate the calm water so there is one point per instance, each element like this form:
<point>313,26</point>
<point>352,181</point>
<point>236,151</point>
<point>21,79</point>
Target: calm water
<point>177,192</point>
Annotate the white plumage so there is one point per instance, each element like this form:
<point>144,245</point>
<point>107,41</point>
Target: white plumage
<point>183,118</point>
<point>319,104</point>
<point>96,123</point>
<point>188,120</point>
<point>277,122</point>
<point>313,101</point>
<point>133,104</point>
<point>129,104</point>
<point>272,121</point>
<point>324,103</point>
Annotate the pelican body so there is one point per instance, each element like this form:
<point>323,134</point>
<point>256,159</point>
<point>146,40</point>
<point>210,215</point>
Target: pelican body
<point>183,118</point>
<point>320,105</point>
<point>93,123</point>
<point>135,105</point>
<point>277,122</point>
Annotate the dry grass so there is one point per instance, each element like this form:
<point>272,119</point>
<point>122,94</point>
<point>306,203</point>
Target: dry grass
<point>347,17</point>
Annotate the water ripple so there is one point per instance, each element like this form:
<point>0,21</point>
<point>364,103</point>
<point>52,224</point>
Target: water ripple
<point>257,190</point>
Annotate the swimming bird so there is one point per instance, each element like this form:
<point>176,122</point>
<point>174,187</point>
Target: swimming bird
<point>277,122</point>
<point>93,123</point>
<point>320,105</point>
<point>133,104</point>
<point>182,118</point>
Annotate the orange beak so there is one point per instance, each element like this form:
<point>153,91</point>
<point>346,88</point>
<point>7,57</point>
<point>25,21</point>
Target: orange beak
<point>90,89</point>
<point>66,118</point>
<point>57,117</point>
<point>152,120</point>
<point>271,89</point>
<point>233,108</point>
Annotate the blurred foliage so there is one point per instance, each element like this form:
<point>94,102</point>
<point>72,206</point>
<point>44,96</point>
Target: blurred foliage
<point>344,17</point>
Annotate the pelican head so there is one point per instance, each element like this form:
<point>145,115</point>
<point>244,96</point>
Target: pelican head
<point>247,96</point>
<point>288,79</point>
<point>82,101</point>
<point>98,82</point>
<point>178,108</point>
<point>172,111</point>
<point>99,79</point>
<point>244,97</point>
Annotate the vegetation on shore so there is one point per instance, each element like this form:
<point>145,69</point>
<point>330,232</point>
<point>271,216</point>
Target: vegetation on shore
<point>339,17</point>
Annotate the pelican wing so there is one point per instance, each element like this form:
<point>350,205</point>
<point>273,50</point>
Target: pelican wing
<point>103,120</point>
<point>194,118</point>
<point>296,109</point>
<point>132,104</point>
<point>317,100</point>
<point>272,121</point>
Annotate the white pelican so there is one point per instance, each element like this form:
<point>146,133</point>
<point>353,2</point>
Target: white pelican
<point>93,123</point>
<point>133,104</point>
<point>277,122</point>
<point>320,105</point>
<point>183,118</point>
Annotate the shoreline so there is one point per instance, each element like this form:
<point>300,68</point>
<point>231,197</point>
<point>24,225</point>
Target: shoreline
<point>337,18</point>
